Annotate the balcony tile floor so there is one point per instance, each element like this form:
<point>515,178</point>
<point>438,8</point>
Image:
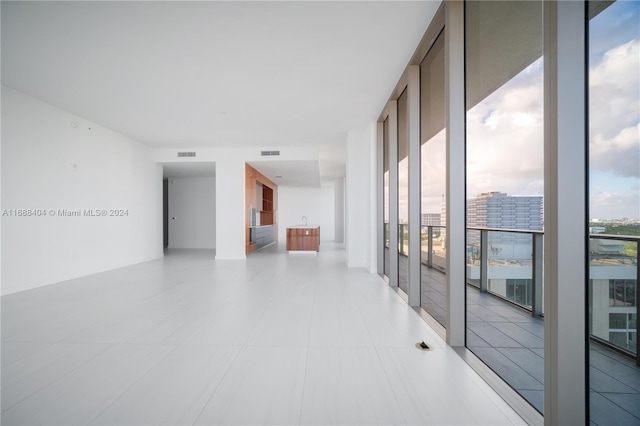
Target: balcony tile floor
<point>510,341</point>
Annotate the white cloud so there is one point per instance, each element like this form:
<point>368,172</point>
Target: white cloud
<point>614,129</point>
<point>434,169</point>
<point>619,155</point>
<point>614,111</point>
<point>505,137</point>
<point>614,91</point>
<point>615,205</point>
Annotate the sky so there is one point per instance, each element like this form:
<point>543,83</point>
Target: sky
<point>614,112</point>
<point>505,130</point>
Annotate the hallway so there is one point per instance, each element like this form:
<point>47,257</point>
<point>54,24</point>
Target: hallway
<point>275,339</point>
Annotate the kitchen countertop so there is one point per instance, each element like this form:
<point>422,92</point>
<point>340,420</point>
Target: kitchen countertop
<point>303,226</point>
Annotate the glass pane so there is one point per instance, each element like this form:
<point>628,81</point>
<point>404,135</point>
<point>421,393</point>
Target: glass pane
<point>385,195</point>
<point>614,209</point>
<point>504,144</point>
<point>510,266</point>
<point>433,183</point>
<point>403,191</point>
<point>473,257</point>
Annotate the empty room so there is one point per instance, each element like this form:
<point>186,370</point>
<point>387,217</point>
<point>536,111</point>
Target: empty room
<point>320,212</point>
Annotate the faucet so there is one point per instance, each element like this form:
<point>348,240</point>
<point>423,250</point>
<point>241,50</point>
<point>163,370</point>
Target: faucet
<point>305,220</point>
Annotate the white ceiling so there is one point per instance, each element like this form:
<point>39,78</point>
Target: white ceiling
<point>290,173</point>
<point>176,74</point>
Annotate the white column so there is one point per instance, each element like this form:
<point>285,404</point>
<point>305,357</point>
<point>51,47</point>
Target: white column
<point>456,185</point>
<point>565,200</point>
<point>413,88</point>
<point>230,216</point>
<point>358,198</point>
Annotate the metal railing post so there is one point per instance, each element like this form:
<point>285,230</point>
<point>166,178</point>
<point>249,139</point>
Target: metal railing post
<point>537,282</point>
<point>430,246</point>
<point>484,259</point>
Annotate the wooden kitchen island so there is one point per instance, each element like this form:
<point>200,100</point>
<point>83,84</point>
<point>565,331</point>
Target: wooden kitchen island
<point>303,239</point>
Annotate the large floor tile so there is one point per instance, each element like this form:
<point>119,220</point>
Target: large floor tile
<point>348,386</point>
<point>432,389</point>
<point>24,377</point>
<point>273,339</point>
<point>396,325</point>
<point>264,385</point>
<point>174,391</point>
<point>283,324</point>
<point>16,351</point>
<point>338,325</point>
<point>81,395</point>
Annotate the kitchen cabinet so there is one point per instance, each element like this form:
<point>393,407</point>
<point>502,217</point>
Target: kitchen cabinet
<point>303,238</point>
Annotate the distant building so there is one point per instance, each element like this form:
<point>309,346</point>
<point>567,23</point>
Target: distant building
<point>499,210</point>
<point>431,219</point>
<point>502,211</point>
<point>605,247</point>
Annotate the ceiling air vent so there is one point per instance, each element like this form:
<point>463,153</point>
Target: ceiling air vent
<point>187,154</point>
<point>269,153</point>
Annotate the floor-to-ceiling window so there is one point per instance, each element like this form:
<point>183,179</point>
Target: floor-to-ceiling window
<point>433,170</point>
<point>504,132</point>
<point>385,201</point>
<point>403,191</point>
<point>614,211</point>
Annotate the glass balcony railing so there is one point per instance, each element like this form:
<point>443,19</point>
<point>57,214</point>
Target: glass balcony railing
<point>433,250</point>
<point>507,264</point>
<point>613,291</point>
<point>432,245</point>
<point>403,239</point>
<point>386,234</point>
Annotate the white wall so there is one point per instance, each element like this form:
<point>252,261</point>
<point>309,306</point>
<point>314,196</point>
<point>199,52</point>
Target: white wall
<point>360,194</point>
<point>192,212</point>
<point>339,209</point>
<point>317,204</point>
<point>51,160</point>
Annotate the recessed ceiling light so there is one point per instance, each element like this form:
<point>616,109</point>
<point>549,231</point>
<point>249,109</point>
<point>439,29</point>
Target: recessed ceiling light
<point>278,177</point>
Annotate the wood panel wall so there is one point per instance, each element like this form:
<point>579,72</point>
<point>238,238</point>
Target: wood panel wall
<point>251,178</point>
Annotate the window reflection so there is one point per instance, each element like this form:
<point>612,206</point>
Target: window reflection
<point>504,151</point>
<point>433,170</point>
<point>614,209</point>
<point>385,196</point>
<point>403,191</point>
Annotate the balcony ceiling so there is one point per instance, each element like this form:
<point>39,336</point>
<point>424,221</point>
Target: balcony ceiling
<point>223,74</point>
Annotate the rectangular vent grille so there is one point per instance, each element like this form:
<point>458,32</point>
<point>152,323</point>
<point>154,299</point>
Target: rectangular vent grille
<point>269,153</point>
<point>186,154</point>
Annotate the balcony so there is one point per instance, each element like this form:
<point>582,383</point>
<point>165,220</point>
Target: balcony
<point>505,312</point>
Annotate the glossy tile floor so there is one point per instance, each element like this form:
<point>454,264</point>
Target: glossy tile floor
<point>275,339</point>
